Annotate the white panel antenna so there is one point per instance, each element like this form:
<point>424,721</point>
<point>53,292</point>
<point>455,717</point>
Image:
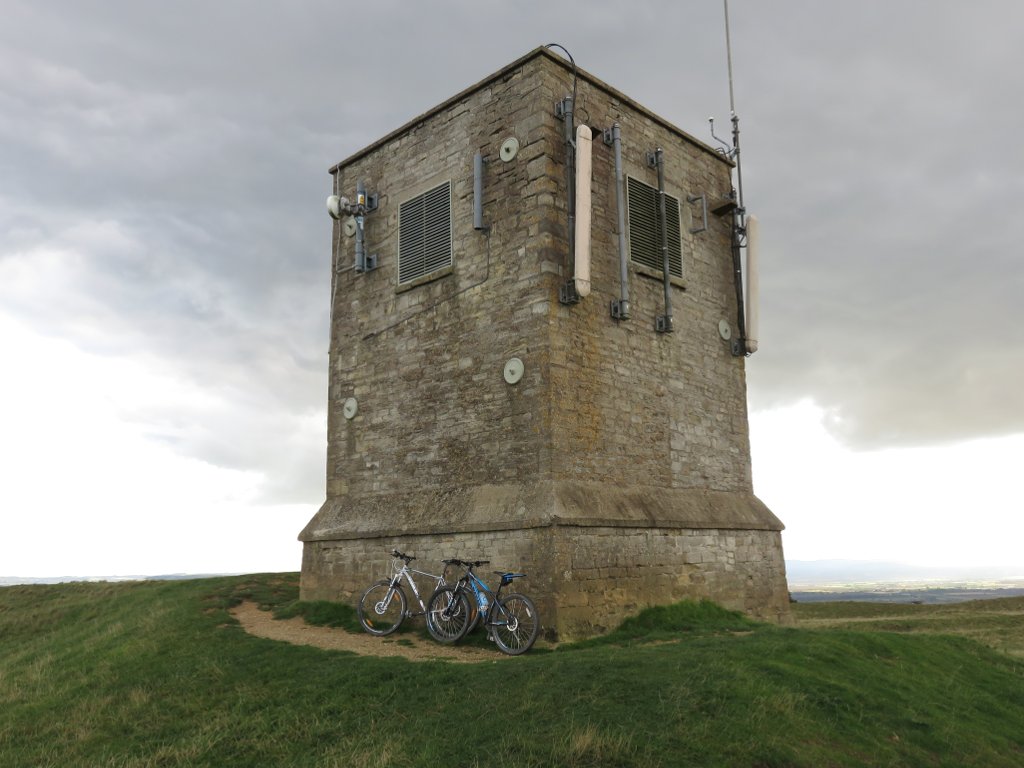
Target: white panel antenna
<point>753,284</point>
<point>584,172</point>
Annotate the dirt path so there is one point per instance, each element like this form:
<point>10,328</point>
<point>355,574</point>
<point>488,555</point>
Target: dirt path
<point>263,624</point>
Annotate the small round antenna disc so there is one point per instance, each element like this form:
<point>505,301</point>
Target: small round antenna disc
<point>514,370</point>
<point>509,149</point>
<point>350,408</point>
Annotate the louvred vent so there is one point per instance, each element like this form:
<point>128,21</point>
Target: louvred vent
<point>425,233</point>
<point>644,234</point>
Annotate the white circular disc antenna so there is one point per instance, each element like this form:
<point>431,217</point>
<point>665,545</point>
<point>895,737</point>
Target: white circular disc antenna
<point>514,370</point>
<point>509,149</point>
<point>350,408</point>
<point>724,330</point>
<point>334,206</point>
<point>350,226</point>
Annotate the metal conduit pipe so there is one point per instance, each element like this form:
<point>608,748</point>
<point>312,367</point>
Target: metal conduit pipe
<point>570,181</point>
<point>335,263</point>
<point>739,344</point>
<point>620,308</point>
<point>739,237</point>
<point>663,324</point>
<point>478,191</point>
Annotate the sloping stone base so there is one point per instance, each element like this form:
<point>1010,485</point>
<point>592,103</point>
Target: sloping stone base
<point>594,556</point>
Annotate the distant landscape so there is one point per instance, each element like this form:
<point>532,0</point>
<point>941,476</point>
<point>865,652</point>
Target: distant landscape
<point>885,582</point>
<point>809,581</point>
<point>10,581</point>
<point>908,593</point>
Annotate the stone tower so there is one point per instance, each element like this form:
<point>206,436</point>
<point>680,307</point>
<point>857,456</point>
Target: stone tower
<point>480,408</point>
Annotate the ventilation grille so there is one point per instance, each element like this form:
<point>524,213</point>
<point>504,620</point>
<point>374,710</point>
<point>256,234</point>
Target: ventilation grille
<point>644,233</point>
<point>425,233</point>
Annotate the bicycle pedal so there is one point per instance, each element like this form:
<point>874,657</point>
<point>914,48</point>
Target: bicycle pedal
<point>490,638</point>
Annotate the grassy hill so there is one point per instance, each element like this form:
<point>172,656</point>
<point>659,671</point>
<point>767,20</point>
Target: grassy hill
<point>159,674</point>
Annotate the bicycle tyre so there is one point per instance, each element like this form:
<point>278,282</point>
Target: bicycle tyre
<point>514,624</point>
<point>379,613</point>
<point>448,615</point>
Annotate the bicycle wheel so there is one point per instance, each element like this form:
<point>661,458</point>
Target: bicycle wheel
<point>381,609</point>
<point>514,624</point>
<point>448,615</point>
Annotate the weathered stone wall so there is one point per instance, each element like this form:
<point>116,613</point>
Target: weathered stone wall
<point>651,409</point>
<point>425,364</point>
<point>584,580</point>
<point>617,471</point>
<point>611,573</point>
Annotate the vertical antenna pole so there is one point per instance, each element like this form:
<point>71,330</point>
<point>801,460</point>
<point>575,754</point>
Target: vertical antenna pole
<point>728,56</point>
<point>739,221</point>
<point>735,118</point>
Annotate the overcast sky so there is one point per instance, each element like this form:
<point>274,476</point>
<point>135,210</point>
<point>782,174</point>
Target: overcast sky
<point>164,256</point>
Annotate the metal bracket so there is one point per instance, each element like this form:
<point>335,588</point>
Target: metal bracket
<point>652,159</point>
<point>563,107</point>
<point>725,204</point>
<point>370,204</point>
<point>663,324</point>
<point>567,293</point>
<point>704,212</point>
<point>740,228</point>
<point>606,136</point>
<point>739,348</point>
<point>620,309</point>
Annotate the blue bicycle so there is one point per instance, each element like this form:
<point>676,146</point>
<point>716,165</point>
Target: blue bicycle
<point>511,620</point>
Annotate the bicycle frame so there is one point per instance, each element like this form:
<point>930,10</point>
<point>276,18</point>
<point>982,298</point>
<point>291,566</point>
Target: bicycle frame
<point>481,591</point>
<point>511,621</point>
<point>489,607</point>
<point>405,572</point>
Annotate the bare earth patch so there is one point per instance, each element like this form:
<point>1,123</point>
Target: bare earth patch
<point>296,630</point>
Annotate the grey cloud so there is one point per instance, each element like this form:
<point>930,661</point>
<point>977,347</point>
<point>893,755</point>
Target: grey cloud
<point>890,285</point>
<point>164,169</point>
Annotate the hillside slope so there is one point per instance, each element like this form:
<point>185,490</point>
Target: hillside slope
<point>159,674</point>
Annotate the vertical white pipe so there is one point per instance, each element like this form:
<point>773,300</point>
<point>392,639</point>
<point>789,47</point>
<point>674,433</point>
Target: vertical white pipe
<point>584,171</point>
<point>753,283</point>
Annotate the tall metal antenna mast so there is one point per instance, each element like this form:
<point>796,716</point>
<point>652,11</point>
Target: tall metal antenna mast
<point>728,56</point>
<point>735,119</point>
<point>739,213</point>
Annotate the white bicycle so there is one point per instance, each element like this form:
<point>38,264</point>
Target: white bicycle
<point>384,606</point>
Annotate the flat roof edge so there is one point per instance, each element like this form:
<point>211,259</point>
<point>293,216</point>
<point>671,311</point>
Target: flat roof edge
<point>511,67</point>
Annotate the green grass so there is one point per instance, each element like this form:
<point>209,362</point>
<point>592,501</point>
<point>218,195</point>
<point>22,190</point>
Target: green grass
<point>158,674</point>
<point>997,623</point>
<point>668,622</point>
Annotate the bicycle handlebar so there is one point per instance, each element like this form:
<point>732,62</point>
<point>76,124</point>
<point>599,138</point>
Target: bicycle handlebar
<point>408,558</point>
<point>466,563</point>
